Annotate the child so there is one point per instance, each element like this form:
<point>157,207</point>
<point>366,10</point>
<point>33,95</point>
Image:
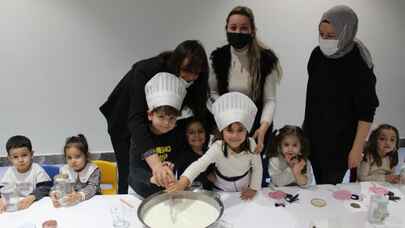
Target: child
<point>238,167</point>
<point>288,163</point>
<point>84,175</point>
<point>151,171</point>
<point>20,153</point>
<point>380,155</point>
<point>197,144</point>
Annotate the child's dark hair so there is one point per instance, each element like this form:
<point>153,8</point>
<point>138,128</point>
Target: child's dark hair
<point>167,110</point>
<point>79,142</point>
<point>203,124</point>
<point>288,130</point>
<point>18,141</point>
<point>245,146</point>
<point>372,145</point>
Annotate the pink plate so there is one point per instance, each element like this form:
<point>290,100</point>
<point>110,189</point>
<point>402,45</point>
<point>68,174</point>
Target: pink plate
<point>277,195</point>
<point>342,195</point>
<point>378,190</point>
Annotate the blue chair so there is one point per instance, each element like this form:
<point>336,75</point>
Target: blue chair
<point>51,170</point>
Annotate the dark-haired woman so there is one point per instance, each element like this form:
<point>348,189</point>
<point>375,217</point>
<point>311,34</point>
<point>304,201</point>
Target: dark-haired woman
<point>126,108</point>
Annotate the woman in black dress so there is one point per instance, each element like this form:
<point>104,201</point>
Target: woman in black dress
<point>341,98</point>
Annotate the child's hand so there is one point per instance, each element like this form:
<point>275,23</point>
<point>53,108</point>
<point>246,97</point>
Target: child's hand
<point>168,164</point>
<point>26,202</point>
<point>163,177</point>
<point>153,180</point>
<point>211,177</point>
<point>248,194</point>
<point>394,179</point>
<point>55,199</point>
<point>298,166</point>
<point>292,163</point>
<point>291,159</point>
<point>2,206</point>
<point>180,185</point>
<point>72,198</point>
<point>175,187</point>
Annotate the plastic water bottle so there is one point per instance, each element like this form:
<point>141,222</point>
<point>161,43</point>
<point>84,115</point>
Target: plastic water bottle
<point>10,196</point>
<point>378,210</point>
<point>62,186</point>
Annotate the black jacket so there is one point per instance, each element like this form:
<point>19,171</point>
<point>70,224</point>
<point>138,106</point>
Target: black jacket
<point>126,107</point>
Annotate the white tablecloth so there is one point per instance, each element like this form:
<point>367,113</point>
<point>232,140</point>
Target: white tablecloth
<point>88,214</point>
<point>260,212</point>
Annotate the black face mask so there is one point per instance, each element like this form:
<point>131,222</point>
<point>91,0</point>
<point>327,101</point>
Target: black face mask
<point>239,40</point>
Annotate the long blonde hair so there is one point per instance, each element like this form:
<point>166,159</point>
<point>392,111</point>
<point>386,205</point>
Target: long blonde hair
<point>254,51</point>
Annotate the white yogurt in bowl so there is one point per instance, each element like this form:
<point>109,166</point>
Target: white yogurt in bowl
<point>180,210</point>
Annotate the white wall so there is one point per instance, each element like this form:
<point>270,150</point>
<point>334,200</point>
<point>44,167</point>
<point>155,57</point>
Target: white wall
<point>59,59</point>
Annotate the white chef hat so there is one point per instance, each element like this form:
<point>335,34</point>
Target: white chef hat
<point>234,107</point>
<point>165,89</point>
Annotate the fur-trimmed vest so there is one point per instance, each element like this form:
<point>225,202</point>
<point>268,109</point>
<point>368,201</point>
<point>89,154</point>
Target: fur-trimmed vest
<point>221,63</point>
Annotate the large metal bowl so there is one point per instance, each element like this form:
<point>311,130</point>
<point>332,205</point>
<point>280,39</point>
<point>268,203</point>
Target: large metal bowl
<point>209,197</point>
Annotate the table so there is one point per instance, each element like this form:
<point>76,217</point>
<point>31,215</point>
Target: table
<point>91,213</point>
<point>257,213</point>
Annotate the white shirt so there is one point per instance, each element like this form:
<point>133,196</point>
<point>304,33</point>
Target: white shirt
<point>36,174</point>
<point>236,164</point>
<point>281,174</point>
<point>368,172</point>
<point>239,80</point>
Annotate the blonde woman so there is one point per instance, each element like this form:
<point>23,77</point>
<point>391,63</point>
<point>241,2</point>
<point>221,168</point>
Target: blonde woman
<point>245,65</point>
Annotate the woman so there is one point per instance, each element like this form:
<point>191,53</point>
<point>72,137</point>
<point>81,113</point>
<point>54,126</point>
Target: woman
<point>341,98</point>
<point>126,108</point>
<point>247,66</point>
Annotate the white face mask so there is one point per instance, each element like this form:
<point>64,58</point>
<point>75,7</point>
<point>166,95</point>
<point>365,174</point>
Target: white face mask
<point>188,84</point>
<point>328,47</point>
